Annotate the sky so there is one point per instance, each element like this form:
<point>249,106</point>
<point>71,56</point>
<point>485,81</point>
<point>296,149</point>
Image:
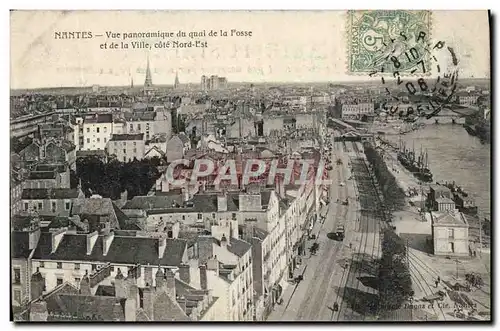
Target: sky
<point>285,46</point>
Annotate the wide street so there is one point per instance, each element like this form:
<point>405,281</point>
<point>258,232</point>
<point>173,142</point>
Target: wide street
<point>341,272</point>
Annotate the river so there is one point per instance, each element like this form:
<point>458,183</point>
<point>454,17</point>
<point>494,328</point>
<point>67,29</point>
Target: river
<point>454,155</point>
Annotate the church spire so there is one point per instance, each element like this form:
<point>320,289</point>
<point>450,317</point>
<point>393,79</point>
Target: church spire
<point>176,83</point>
<point>148,82</point>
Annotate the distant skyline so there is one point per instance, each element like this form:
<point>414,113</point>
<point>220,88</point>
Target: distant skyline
<point>284,47</point>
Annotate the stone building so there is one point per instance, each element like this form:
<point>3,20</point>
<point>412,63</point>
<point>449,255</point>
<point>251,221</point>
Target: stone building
<point>450,234</point>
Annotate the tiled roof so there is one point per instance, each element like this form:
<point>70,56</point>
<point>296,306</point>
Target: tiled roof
<point>20,245</point>
<point>97,152</point>
<point>183,137</point>
<point>127,136</point>
<point>99,118</point>
<point>238,247</point>
<point>50,193</point>
<point>99,206</point>
<point>451,218</point>
<point>105,290</point>
<point>51,167</point>
<point>35,175</point>
<point>126,250</point>
<point>139,116</point>
<point>64,307</point>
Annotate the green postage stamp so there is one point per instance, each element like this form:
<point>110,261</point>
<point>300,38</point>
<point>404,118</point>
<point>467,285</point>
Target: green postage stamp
<point>388,41</point>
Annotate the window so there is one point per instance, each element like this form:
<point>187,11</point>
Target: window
<point>98,139</point>
<point>105,129</point>
<point>116,151</point>
<point>135,143</point>
<point>67,206</point>
<point>124,151</point>
<point>53,206</point>
<point>233,216</point>
<point>112,269</point>
<point>26,206</point>
<point>17,296</point>
<point>451,233</point>
<point>88,130</point>
<point>42,264</point>
<point>213,215</point>
<point>97,130</point>
<point>59,265</point>
<point>135,150</point>
<point>88,140</point>
<point>77,266</point>
<point>124,159</point>
<point>59,281</point>
<point>77,280</point>
<point>183,217</point>
<point>199,216</point>
<point>94,267</point>
<point>131,127</point>
<point>138,127</point>
<point>40,205</point>
<point>104,139</point>
<point>17,276</point>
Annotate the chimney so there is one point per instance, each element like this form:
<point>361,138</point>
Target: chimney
<point>38,311</point>
<point>123,198</point>
<point>117,311</point>
<point>34,233</point>
<point>224,241</point>
<point>280,186</point>
<point>130,309</point>
<point>222,202</point>
<point>160,278</point>
<point>203,277</point>
<point>148,275</point>
<point>213,264</point>
<point>107,240</point>
<point>37,284</point>
<point>170,283</point>
<point>148,294</point>
<point>57,235</point>
<point>85,285</point>
<point>184,273</point>
<point>185,194</point>
<point>91,239</point>
<point>121,286</point>
<point>132,298</point>
<point>162,244</point>
<point>182,301</point>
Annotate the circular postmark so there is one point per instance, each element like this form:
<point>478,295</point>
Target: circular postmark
<point>419,79</point>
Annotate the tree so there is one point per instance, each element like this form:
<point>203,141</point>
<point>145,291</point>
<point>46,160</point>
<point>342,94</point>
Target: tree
<point>111,179</point>
<point>393,194</point>
<point>395,285</point>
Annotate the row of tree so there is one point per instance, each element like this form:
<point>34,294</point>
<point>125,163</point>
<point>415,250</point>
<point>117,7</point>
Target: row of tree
<point>395,286</point>
<point>394,280</point>
<point>394,196</point>
<point>114,177</point>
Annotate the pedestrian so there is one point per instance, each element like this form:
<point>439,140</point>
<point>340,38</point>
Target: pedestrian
<point>350,245</point>
<point>439,280</point>
<point>436,282</point>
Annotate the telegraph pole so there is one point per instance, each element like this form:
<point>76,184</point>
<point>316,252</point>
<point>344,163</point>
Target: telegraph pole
<point>480,234</point>
<point>457,262</point>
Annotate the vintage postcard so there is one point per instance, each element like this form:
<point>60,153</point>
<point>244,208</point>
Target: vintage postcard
<point>178,166</point>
